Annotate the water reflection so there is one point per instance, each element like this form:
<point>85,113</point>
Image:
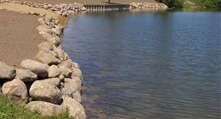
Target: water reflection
<point>158,64</point>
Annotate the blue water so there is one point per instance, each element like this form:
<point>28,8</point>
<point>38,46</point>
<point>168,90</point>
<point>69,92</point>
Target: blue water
<point>148,64</point>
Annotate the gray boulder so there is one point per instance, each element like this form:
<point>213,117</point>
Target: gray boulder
<point>65,71</point>
<point>37,67</point>
<point>83,9</point>
<point>46,50</point>
<point>66,64</point>
<point>45,92</point>
<point>44,29</point>
<point>53,71</point>
<point>77,73</point>
<point>46,108</point>
<point>61,77</point>
<point>15,90</point>
<point>54,40</point>
<point>6,72</point>
<point>47,58</point>
<point>61,53</point>
<point>76,110</point>
<point>26,75</point>
<point>31,12</point>
<point>70,87</point>
<point>77,79</point>
<point>69,64</point>
<point>77,96</point>
<point>53,81</point>
<point>57,31</point>
<point>76,65</point>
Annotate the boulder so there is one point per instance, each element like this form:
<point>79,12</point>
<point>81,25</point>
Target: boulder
<point>65,14</point>
<point>47,35</point>
<point>45,92</point>
<point>76,65</point>
<point>36,13</point>
<point>77,73</point>
<point>31,12</point>
<point>26,75</point>
<point>48,18</point>
<point>50,5</point>
<point>47,58</point>
<point>54,40</point>
<point>6,72</point>
<point>53,71</point>
<point>46,108</point>
<point>37,67</point>
<point>56,22</point>
<point>66,57</point>
<point>65,71</point>
<point>15,90</point>
<point>53,81</point>
<point>69,64</point>
<point>76,110</point>
<point>77,96</point>
<point>77,79</point>
<point>44,29</point>
<point>61,77</point>
<point>57,31</point>
<point>70,87</point>
<point>41,20</point>
<point>45,7</point>
<point>61,53</point>
<point>83,9</point>
<point>66,64</point>
<point>71,12</point>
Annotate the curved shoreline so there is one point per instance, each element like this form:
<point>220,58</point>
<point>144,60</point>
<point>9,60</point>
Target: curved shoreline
<point>51,56</point>
<point>59,78</point>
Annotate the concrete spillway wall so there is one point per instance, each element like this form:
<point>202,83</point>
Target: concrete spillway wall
<point>107,7</point>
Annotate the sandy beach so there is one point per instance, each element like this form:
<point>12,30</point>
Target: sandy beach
<point>19,37</point>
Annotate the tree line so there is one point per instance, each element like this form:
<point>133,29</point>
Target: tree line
<point>203,3</point>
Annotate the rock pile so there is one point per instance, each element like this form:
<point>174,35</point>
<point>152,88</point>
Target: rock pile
<point>144,5</point>
<point>67,9</point>
<point>51,82</point>
<point>61,9</point>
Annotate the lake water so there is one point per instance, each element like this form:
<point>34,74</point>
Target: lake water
<point>148,64</point>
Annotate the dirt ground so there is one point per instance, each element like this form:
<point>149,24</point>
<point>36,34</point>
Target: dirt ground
<point>18,37</point>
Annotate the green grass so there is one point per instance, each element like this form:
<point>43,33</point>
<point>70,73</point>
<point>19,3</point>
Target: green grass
<point>11,110</point>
